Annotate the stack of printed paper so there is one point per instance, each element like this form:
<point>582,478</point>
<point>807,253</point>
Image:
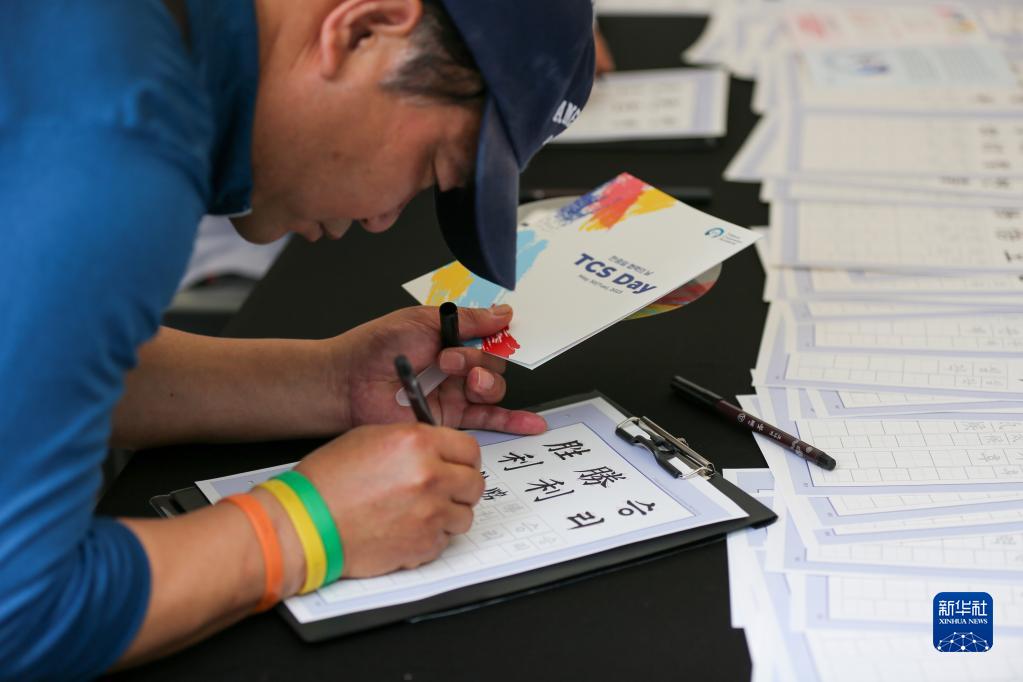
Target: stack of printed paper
<point>656,104</point>
<point>611,253</point>
<point>891,151</point>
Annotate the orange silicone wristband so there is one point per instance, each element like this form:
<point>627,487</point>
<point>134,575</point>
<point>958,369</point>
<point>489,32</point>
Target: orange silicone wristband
<point>273,562</point>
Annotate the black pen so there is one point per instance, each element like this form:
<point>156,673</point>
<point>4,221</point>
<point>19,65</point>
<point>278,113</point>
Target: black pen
<point>737,416</point>
<point>688,195</point>
<point>412,390</point>
<point>432,376</point>
<point>449,325</point>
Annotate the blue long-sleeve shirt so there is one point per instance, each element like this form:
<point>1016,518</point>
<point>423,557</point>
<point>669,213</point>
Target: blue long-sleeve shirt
<point>115,138</point>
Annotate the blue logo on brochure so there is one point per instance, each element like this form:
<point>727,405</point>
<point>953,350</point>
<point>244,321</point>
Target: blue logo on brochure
<point>963,622</point>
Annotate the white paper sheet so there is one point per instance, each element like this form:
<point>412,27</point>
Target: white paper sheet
<point>573,491</point>
<point>652,104</point>
<point>654,7</point>
<point>897,237</point>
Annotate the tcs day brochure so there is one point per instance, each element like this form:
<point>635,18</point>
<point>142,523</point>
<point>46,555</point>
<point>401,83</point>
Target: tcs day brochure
<point>599,259</point>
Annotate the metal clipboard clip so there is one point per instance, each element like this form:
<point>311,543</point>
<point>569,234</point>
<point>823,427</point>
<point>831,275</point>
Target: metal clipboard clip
<point>673,454</point>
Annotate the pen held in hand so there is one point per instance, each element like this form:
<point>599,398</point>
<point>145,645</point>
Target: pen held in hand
<point>415,394</point>
<point>449,325</point>
<point>743,419</point>
<point>432,377</point>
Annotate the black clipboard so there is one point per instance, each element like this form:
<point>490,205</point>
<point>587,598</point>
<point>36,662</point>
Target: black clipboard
<point>481,594</point>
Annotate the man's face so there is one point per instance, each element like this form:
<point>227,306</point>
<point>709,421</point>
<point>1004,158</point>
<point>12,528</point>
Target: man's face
<point>327,151</point>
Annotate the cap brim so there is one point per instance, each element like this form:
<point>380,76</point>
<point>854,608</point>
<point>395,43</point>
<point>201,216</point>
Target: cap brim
<point>479,221</point>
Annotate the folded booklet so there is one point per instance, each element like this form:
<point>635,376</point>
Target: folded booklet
<point>580,269</point>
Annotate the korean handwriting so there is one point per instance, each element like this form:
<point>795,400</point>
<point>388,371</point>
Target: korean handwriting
<point>584,519</point>
<point>631,507</point>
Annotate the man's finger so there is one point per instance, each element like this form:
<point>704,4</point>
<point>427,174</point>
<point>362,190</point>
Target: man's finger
<point>474,323</point>
<point>482,386</point>
<point>456,447</point>
<point>464,485</point>
<point>460,361</point>
<point>492,418</point>
<point>459,519</point>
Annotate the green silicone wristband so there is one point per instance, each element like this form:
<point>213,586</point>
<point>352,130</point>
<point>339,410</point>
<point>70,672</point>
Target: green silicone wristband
<point>322,519</point>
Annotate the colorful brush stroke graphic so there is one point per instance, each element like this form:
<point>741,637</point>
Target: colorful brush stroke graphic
<point>624,197</point>
<point>502,343</point>
<point>455,283</point>
<point>684,295</point>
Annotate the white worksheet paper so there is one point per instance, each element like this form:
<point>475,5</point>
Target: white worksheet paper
<point>901,456</point>
<point>981,335</point>
<point>783,189</point>
<point>806,310</point>
<point>994,378</point>
<point>973,78</point>
<point>995,556</point>
<point>852,617</point>
<point>652,104</point>
<point>819,624</point>
<point>901,144</point>
<point>897,237</point>
<point>900,603</point>
<point>855,656</point>
<point>843,404</point>
<point>606,8</point>
<point>817,283</point>
<point>765,614</point>
<point>997,517</point>
<point>576,490</point>
<point>943,157</point>
<point>817,25</point>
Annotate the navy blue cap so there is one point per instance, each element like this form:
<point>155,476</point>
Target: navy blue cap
<point>537,60</point>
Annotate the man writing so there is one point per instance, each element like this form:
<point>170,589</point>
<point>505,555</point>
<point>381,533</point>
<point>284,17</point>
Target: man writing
<point>121,124</point>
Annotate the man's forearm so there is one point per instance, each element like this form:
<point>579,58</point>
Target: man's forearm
<point>207,572</point>
<point>196,388</point>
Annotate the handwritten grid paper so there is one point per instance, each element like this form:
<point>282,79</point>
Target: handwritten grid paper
<point>967,78</point>
<point>619,496</point>
<point>897,237</point>
<point>943,523</point>
<point>536,503</point>
<point>854,656</point>
<point>890,469</point>
<point>854,506</point>
<point>804,190</point>
<point>998,553</point>
<point>1001,376</point>
<point>653,7</point>
<point>790,612</point>
<point>803,284</point>
<point>825,309</point>
<point>837,143</point>
<point>979,334</point>
<point>829,403</point>
<point>652,104</point>
<point>865,601</point>
<point>866,654</point>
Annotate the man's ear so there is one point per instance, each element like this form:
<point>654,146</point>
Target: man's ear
<point>352,23</point>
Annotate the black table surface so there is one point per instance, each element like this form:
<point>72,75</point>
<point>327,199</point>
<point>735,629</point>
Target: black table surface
<point>666,619</point>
